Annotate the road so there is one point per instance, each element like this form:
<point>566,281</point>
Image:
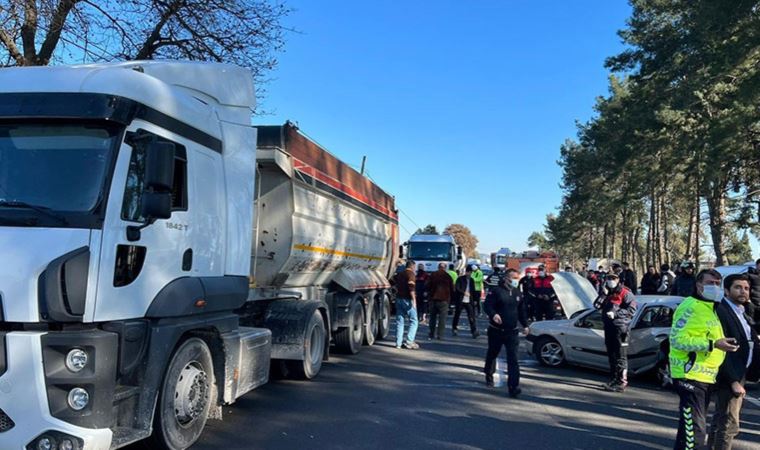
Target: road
<point>435,398</point>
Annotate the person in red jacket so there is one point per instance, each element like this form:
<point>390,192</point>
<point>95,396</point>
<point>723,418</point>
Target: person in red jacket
<point>542,290</point>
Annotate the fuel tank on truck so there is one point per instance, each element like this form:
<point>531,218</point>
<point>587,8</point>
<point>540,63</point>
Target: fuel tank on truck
<point>317,221</point>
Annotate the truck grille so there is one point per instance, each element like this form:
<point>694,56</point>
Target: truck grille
<point>5,422</point>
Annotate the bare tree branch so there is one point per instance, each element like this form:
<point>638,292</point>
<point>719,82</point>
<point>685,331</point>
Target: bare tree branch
<point>12,49</point>
<point>54,32</point>
<point>29,31</point>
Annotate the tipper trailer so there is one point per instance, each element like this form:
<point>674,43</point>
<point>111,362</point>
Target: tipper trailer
<point>156,265</point>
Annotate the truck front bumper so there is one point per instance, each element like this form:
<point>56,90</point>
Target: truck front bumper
<point>24,401</point>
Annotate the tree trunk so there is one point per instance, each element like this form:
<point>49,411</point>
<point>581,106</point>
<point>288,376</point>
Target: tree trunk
<point>716,206</point>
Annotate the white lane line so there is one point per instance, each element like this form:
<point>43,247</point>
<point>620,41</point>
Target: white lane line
<point>753,400</point>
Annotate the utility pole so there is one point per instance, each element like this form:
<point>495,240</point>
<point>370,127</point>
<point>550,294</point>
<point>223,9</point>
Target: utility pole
<point>364,160</point>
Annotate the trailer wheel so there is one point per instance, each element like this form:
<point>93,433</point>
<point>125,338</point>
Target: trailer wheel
<point>349,339</point>
<point>370,334</point>
<point>384,321</point>
<point>314,350</point>
<point>185,398</point>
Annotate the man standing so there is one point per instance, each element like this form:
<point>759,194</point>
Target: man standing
<point>506,313</point>
<point>422,301</point>
<point>628,278</point>
<point>464,293</point>
<point>650,282</point>
<point>618,308</point>
<point>684,284</point>
<point>667,277</point>
<point>526,289</point>
<point>731,376</point>
<point>697,349</point>
<point>477,278</point>
<point>543,292</point>
<point>406,306</point>
<point>440,289</point>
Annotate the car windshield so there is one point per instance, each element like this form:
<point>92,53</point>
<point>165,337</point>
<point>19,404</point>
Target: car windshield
<point>53,167</point>
<point>431,251</point>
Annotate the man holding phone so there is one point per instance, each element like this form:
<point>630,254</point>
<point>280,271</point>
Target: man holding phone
<point>697,350</point>
<point>732,375</point>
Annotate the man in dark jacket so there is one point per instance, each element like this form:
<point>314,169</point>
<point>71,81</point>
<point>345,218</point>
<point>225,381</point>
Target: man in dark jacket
<point>753,307</point>
<point>618,308</point>
<point>420,282</point>
<point>732,374</point>
<point>650,282</point>
<point>506,314</point>
<point>628,278</point>
<point>464,297</point>
<point>685,283</point>
<point>526,287</point>
<point>440,289</point>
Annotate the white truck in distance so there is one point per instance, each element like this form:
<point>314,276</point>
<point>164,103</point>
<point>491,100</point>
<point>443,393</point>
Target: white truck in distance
<point>155,263</point>
<point>433,249</point>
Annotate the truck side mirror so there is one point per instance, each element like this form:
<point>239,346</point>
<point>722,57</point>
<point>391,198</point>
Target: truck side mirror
<point>400,251</point>
<point>459,252</point>
<point>159,166</point>
<point>157,205</point>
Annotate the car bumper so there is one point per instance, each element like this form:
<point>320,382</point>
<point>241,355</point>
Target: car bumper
<point>23,398</point>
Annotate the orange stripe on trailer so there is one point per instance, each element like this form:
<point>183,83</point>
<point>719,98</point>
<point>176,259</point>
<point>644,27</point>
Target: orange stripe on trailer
<point>337,184</point>
<point>329,251</point>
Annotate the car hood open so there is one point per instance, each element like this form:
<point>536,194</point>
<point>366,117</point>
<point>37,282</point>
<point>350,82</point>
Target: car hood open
<point>574,292</point>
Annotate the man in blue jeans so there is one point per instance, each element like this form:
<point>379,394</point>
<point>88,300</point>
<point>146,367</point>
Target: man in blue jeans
<point>406,305</point>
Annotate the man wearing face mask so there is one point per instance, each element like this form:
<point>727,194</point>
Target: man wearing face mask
<point>526,286</point>
<point>618,308</point>
<point>543,292</point>
<point>697,350</point>
<point>684,284</point>
<point>507,317</point>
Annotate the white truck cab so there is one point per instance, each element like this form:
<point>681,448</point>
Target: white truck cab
<point>433,249</point>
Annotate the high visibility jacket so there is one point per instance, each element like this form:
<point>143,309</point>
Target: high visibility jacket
<point>453,275</point>
<point>477,277</point>
<point>695,329</point>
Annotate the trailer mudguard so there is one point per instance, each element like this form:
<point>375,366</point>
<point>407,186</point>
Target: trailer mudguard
<point>288,319</point>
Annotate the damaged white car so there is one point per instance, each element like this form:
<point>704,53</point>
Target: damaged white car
<point>580,339</point>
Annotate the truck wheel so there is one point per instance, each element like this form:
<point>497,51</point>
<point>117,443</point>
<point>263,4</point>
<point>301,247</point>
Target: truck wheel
<point>186,396</point>
<point>384,321</point>
<point>370,334</point>
<point>349,339</point>
<point>314,350</point>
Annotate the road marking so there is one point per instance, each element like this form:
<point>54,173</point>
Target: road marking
<point>753,400</point>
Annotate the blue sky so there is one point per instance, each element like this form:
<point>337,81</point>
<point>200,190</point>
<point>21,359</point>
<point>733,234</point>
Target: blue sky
<point>460,107</point>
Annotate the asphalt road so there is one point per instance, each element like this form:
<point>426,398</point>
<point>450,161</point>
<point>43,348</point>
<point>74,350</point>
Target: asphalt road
<point>435,398</point>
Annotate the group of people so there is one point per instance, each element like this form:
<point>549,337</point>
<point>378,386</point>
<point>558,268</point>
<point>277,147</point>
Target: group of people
<point>538,294</point>
<point>506,310</point>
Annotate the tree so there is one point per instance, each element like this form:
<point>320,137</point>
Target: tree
<point>464,238</point>
<point>539,240</point>
<point>429,229</point>
<point>247,33</point>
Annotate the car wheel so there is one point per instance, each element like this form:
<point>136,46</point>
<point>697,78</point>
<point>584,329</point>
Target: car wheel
<point>549,352</point>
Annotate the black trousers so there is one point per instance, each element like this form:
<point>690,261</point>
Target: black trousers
<point>544,309</point>
<point>476,301</point>
<point>470,316</point>
<point>692,412</point>
<point>617,353</point>
<point>509,340</point>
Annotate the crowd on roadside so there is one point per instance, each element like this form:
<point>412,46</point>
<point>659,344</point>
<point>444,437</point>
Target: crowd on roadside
<point>714,344</point>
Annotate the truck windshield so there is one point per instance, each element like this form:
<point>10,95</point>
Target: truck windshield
<point>53,174</point>
<point>431,251</point>
<point>501,259</point>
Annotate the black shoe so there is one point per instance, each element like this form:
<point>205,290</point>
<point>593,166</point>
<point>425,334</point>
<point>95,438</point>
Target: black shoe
<point>515,392</point>
<point>616,387</point>
<point>489,382</point>
<point>454,332</point>
<point>475,335</point>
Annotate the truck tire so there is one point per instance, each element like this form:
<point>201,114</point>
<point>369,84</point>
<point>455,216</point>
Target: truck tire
<point>370,334</point>
<point>185,398</point>
<point>384,321</point>
<point>349,339</point>
<point>314,350</point>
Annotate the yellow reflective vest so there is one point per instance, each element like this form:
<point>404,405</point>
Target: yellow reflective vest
<point>695,329</point>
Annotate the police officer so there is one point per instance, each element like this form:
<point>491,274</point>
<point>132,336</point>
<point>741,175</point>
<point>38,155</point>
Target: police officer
<point>506,313</point>
<point>618,307</point>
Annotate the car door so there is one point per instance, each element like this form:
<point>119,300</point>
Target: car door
<point>585,340</point>
<point>650,329</point>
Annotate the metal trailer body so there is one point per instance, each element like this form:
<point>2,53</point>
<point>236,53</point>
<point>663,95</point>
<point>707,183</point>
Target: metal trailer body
<point>433,249</point>
<point>130,304</point>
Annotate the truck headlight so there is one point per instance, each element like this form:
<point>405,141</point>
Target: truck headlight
<point>76,360</point>
<point>78,399</point>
